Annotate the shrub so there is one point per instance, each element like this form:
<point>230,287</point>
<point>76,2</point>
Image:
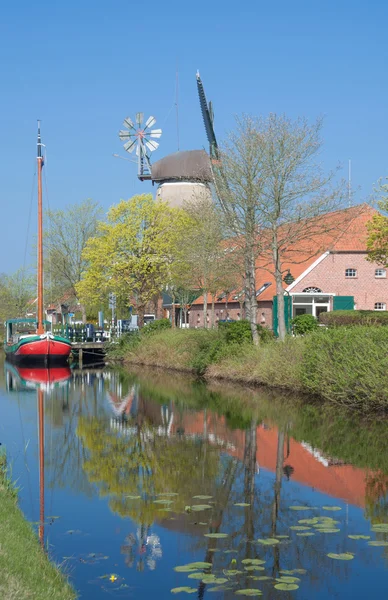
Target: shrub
<point>338,318</point>
<point>236,332</point>
<point>348,366</point>
<point>239,332</point>
<point>156,326</point>
<point>303,324</point>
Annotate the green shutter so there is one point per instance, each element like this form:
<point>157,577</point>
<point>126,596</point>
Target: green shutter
<point>343,302</point>
<point>287,313</point>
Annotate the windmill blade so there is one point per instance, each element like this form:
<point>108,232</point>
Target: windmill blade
<point>125,135</point>
<point>155,133</point>
<point>151,145</point>
<point>128,123</point>
<point>139,118</point>
<point>150,122</point>
<point>130,146</point>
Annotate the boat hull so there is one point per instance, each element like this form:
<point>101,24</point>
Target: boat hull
<point>39,350</point>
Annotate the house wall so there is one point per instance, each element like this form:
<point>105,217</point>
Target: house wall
<point>329,276</point>
<point>196,317</point>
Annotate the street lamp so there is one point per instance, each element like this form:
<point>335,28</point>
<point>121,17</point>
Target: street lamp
<point>288,279</point>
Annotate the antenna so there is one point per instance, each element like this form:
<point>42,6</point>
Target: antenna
<point>176,104</point>
<point>349,183</point>
<point>142,138</point>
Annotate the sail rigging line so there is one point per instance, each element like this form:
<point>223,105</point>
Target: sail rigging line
<point>29,220</point>
<point>49,233</point>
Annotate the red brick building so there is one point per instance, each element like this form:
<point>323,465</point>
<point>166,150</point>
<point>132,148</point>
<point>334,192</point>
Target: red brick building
<point>328,267</point>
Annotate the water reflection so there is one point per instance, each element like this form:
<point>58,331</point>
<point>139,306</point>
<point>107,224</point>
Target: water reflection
<point>129,457</point>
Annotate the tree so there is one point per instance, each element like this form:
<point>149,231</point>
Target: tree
<point>202,254</point>
<point>16,293</point>
<point>132,253</point>
<point>377,242</point>
<point>275,195</point>
<point>67,234</point>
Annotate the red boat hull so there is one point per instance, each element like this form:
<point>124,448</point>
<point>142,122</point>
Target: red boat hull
<point>45,347</point>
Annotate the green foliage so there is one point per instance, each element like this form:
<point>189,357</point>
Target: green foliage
<point>132,253</point>
<point>348,366</point>
<point>239,332</point>
<point>303,324</point>
<point>156,326</point>
<point>338,318</point>
<point>377,242</point>
<point>236,332</point>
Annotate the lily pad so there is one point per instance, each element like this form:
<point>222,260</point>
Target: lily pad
<point>311,521</point>
<point>196,575</point>
<point>163,501</point>
<point>241,504</point>
<point>305,533</point>
<point>300,527</point>
<point>341,556</point>
<point>198,507</point>
<point>216,535</point>
<point>287,579</point>
<point>328,530</point>
<point>268,541</point>
<point>282,537</point>
<point>263,578</point>
<point>190,567</point>
<point>254,568</point>
<point>131,497</point>
<point>253,561</point>
<point>168,494</point>
<point>286,587</point>
<point>200,497</point>
<point>301,507</point>
<point>232,572</point>
<point>249,592</point>
<point>186,589</point>
<point>359,537</point>
<point>377,543</point>
<point>331,508</point>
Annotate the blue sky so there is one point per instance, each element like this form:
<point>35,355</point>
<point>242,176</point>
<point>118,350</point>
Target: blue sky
<point>82,66</point>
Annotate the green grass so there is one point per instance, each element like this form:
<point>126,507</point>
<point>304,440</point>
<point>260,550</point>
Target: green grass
<point>346,366</point>
<point>25,570</point>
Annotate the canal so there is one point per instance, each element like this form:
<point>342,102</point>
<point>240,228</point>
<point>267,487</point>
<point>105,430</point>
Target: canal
<point>153,484</point>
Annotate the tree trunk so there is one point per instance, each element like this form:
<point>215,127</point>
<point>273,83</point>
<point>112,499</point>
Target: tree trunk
<point>205,309</point>
<point>173,312</point>
<point>140,316</point>
<point>250,277</point>
<point>279,290</point>
<point>83,311</point>
<point>212,313</point>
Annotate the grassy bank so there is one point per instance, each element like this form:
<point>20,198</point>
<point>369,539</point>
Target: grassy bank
<point>26,572</point>
<point>347,366</point>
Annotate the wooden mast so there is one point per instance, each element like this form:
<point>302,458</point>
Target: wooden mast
<point>40,327</point>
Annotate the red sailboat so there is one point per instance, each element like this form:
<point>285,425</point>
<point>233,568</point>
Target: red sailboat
<point>40,346</point>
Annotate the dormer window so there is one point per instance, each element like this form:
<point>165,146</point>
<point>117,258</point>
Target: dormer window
<point>350,273</point>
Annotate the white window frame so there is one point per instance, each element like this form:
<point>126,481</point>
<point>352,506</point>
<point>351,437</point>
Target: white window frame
<point>383,306</point>
<point>351,276</point>
<point>383,274</point>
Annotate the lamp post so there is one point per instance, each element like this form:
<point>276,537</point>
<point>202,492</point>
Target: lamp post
<point>288,279</point>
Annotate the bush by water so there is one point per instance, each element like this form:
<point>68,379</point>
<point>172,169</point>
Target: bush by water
<point>347,366</point>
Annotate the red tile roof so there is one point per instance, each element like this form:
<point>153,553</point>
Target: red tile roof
<point>340,231</point>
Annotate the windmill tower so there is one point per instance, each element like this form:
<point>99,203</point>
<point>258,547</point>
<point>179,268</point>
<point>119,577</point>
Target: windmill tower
<point>142,138</point>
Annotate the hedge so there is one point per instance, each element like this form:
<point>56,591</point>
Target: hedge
<point>338,318</point>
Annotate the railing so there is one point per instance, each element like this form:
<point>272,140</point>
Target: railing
<point>88,333</point>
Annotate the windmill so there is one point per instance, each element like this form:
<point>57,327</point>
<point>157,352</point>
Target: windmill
<point>142,138</point>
